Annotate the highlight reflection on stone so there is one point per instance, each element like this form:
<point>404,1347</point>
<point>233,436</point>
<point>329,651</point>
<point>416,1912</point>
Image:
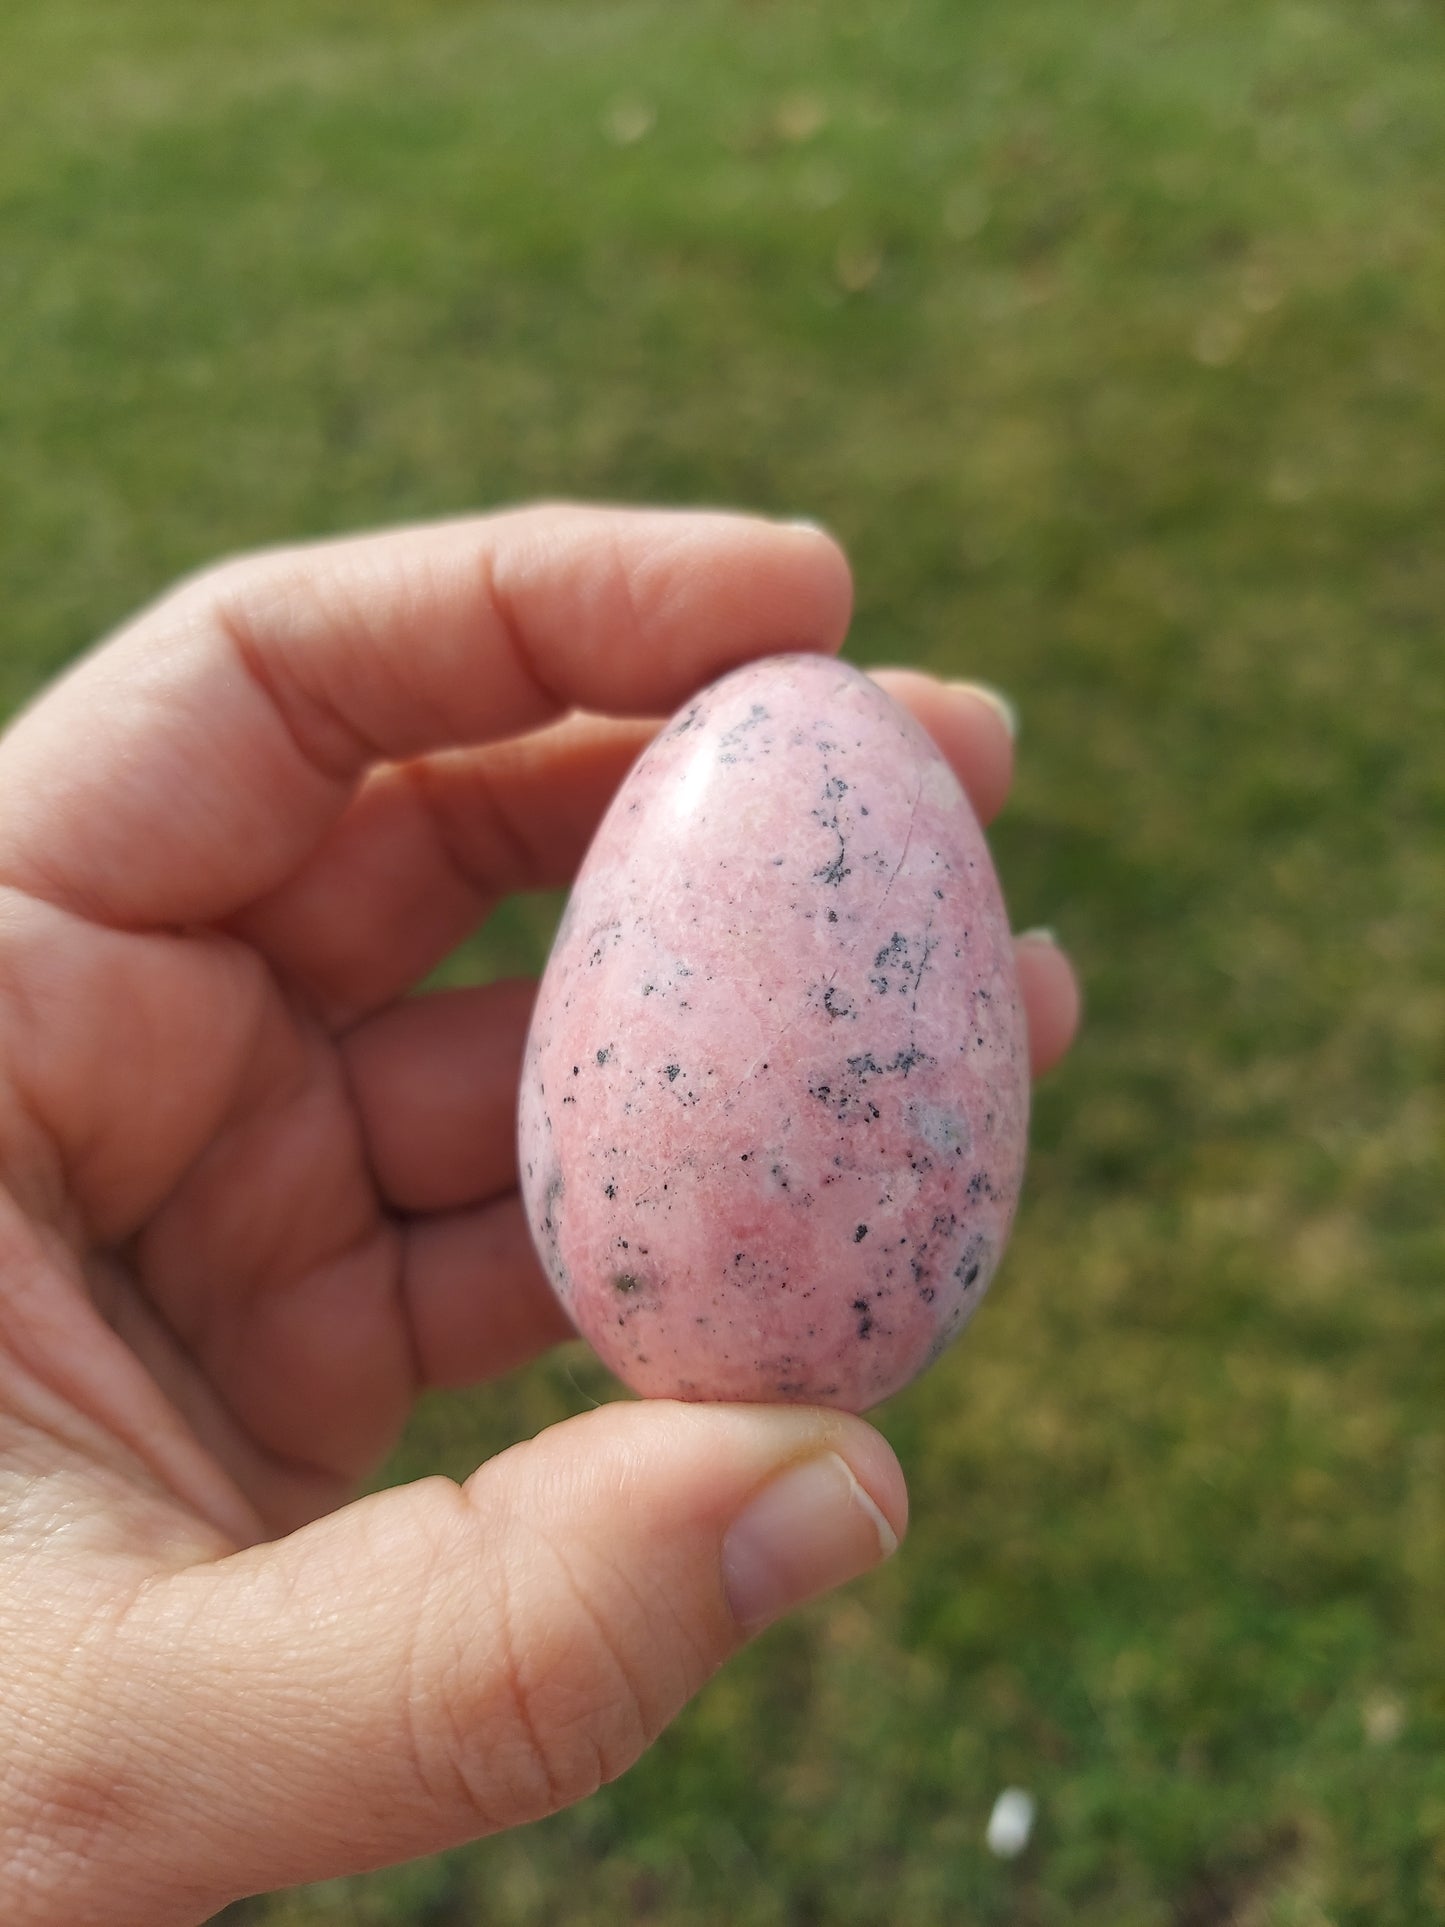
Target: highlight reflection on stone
<point>775,1101</point>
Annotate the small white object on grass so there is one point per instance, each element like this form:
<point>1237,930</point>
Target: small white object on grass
<point>1010,1823</point>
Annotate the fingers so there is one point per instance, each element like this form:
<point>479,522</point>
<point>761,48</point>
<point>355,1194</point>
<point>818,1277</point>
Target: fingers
<point>436,1663</point>
<point>475,1294</point>
<point>428,847</point>
<point>435,1085</point>
<point>425,851</point>
<point>224,731</point>
<point>1053,1002</point>
<point>971,724</point>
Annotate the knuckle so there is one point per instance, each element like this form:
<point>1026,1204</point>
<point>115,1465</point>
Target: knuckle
<point>538,1696</point>
<point>70,1794</point>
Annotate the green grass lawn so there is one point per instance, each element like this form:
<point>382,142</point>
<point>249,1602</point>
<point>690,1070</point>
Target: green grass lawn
<point>1109,338</point>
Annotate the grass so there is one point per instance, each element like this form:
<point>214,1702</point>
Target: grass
<point>1108,338</point>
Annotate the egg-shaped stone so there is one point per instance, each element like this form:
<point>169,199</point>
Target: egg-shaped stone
<point>775,1098</point>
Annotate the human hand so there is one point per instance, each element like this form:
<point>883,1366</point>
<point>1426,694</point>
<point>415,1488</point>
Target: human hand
<point>253,1199</point>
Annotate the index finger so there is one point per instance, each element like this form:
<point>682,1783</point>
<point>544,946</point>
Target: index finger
<point>194,761</point>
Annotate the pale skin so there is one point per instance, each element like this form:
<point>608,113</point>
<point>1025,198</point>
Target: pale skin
<point>255,1195</point>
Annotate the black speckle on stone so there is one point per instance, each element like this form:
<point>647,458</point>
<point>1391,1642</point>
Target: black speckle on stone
<point>576,1070</point>
<point>832,916</point>
<point>860,1234</point>
<point>732,745</point>
<point>604,1054</point>
<point>625,1281</point>
<point>610,1190</point>
<point>674,1071</point>
<point>551,1202</point>
<point>969,1268</point>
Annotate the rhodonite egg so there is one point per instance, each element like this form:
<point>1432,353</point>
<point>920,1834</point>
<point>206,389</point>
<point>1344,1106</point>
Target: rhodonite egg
<point>775,1097</point>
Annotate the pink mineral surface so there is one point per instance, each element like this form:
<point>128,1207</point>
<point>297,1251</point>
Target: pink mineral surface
<point>775,1100</point>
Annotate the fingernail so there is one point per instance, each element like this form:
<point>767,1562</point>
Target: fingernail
<point>1041,933</point>
<point>813,1528</point>
<point>996,700</point>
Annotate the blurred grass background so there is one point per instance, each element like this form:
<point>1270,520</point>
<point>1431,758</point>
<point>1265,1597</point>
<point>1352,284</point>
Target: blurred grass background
<point>1109,337</point>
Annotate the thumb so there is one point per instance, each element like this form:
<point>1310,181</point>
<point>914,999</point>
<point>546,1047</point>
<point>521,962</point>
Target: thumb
<point>437,1662</point>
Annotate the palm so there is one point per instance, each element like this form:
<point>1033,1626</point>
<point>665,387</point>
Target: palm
<point>323,1208</point>
<point>264,1290</point>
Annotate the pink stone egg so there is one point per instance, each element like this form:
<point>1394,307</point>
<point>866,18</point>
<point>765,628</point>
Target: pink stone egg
<point>775,1099</point>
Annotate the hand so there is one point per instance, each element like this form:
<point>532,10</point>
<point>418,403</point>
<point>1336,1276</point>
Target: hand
<point>254,1199</point>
